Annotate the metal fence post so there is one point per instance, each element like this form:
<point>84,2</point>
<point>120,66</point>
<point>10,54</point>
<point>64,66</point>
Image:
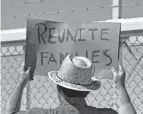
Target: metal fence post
<point>117,9</point>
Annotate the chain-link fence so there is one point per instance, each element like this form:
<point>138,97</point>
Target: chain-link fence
<point>41,92</point>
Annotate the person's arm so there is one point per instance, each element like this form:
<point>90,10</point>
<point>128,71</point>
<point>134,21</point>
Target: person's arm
<point>14,102</point>
<point>126,107</point>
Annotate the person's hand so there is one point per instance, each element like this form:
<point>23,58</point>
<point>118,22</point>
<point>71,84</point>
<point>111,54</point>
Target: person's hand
<point>119,76</point>
<point>24,75</point>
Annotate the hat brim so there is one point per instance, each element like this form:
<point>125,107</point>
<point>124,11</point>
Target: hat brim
<point>92,87</point>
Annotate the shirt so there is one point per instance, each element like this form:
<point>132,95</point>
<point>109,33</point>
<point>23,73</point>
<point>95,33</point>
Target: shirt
<point>70,106</point>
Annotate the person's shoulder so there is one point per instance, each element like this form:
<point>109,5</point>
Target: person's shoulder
<point>103,110</point>
<point>40,111</point>
<point>107,111</point>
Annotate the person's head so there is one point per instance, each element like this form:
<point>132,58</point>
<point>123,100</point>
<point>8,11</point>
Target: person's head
<point>75,77</point>
<point>71,93</point>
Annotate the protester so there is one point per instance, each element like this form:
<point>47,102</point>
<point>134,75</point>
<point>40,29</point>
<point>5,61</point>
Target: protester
<point>74,82</point>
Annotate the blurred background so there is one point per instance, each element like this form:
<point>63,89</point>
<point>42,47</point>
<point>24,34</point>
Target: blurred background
<point>15,12</point>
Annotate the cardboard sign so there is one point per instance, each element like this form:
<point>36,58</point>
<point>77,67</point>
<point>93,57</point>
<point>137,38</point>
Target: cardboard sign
<point>48,43</point>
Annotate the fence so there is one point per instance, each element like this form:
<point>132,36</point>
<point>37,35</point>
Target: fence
<point>42,93</point>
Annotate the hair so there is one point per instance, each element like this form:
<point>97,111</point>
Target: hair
<point>72,93</point>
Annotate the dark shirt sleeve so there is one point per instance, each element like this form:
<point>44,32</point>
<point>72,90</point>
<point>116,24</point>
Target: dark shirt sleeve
<point>34,111</point>
<point>107,111</point>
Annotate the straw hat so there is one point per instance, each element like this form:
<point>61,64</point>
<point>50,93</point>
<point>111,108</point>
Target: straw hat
<point>75,73</point>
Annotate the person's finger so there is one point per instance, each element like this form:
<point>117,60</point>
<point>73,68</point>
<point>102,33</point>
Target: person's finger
<point>27,72</point>
<point>120,68</point>
<point>113,71</point>
<point>27,75</point>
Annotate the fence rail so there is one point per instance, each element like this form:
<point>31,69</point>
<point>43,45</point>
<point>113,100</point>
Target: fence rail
<point>41,92</point>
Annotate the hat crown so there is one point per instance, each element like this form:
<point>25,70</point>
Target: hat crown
<point>76,70</point>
